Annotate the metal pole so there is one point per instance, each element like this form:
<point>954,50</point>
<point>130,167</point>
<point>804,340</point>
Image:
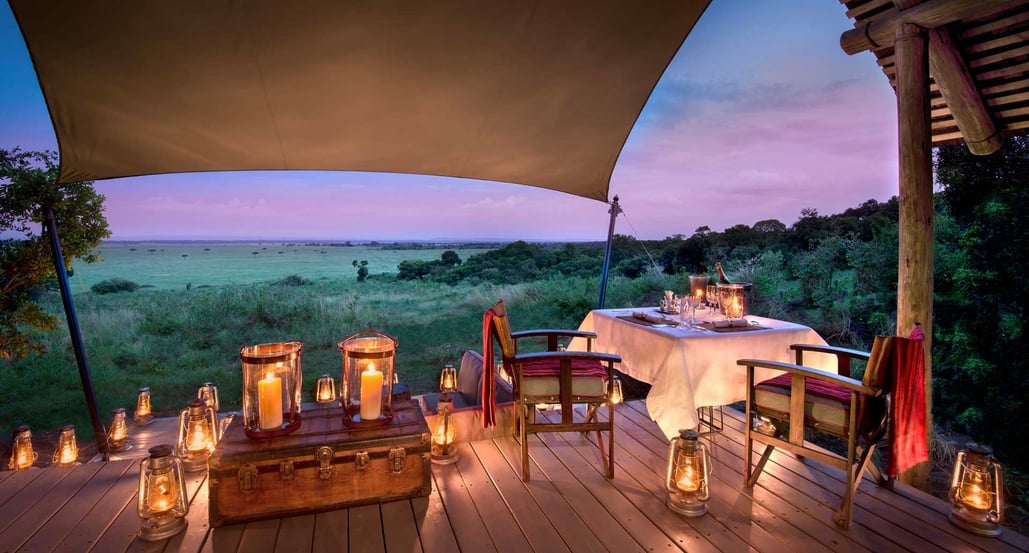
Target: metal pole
<point>614,211</point>
<point>76,337</point>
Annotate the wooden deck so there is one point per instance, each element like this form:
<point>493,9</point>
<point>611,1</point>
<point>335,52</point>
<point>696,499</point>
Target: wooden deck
<point>481,504</point>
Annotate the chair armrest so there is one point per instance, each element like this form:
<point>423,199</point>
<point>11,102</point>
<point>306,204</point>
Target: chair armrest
<point>552,334</point>
<point>843,355</point>
<point>591,355</point>
<point>808,372</point>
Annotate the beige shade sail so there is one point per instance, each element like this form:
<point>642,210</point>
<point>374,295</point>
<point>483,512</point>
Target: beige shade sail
<point>542,93</point>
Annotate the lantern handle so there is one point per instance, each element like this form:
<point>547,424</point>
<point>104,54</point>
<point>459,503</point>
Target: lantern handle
<point>375,332</point>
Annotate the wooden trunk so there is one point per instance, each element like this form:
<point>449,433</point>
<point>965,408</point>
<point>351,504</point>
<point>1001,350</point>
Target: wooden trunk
<point>320,467</point>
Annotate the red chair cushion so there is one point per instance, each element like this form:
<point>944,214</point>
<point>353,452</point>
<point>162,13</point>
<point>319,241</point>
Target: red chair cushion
<point>551,367</point>
<point>826,405</point>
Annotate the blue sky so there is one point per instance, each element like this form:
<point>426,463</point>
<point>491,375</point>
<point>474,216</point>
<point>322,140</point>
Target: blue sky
<point>751,121</point>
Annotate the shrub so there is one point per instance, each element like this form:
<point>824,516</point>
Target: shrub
<point>114,285</point>
<point>294,280</point>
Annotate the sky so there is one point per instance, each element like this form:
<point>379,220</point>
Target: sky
<point>751,121</point>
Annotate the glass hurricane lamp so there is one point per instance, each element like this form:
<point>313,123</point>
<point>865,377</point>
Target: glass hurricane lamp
<point>272,379</point>
<point>977,491</point>
<point>161,501</point>
<point>616,392</point>
<point>366,383</point>
<point>688,474</point>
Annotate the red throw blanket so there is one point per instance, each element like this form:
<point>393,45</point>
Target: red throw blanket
<point>489,389</point>
<point>907,424</point>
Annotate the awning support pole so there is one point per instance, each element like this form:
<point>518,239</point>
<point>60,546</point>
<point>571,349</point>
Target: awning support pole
<point>614,211</point>
<point>76,336</point>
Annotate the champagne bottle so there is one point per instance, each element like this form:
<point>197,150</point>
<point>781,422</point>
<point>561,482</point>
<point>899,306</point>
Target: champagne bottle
<point>722,279</point>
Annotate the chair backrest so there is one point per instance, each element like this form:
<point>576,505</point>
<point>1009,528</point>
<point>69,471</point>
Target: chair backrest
<point>502,330</point>
<point>878,369</point>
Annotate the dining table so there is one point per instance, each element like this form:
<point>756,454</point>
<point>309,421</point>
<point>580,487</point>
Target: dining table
<point>691,364</point>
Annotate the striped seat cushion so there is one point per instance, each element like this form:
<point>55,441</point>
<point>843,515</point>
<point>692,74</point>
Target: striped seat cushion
<point>542,384</point>
<point>826,405</point>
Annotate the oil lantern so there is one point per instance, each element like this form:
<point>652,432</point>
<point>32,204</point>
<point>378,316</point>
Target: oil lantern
<point>977,491</point>
<point>161,501</point>
<point>688,474</point>
<point>209,393</point>
<point>118,434</point>
<point>325,392</point>
<point>67,452</point>
<point>144,414</point>
<point>198,434</point>
<point>271,388</point>
<point>22,455</point>
<point>367,380</point>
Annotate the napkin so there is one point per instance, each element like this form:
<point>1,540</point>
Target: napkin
<point>730,323</point>
<point>648,317</point>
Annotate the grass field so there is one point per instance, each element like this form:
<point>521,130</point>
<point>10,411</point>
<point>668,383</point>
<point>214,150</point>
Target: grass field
<point>173,338</point>
<point>175,265</point>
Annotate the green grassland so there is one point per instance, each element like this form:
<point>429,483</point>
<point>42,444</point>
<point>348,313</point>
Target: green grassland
<point>173,338</point>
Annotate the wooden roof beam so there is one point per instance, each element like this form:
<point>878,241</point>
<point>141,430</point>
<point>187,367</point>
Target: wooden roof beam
<point>947,64</point>
<point>971,115</point>
<point>928,15</point>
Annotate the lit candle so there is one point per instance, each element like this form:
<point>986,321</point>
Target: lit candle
<point>688,482</point>
<point>975,497</point>
<point>371,393</point>
<point>269,402</point>
<point>699,295</point>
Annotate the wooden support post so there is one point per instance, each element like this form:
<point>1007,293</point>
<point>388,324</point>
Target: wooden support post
<point>915,270</point>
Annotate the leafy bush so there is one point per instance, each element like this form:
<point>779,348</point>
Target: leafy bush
<point>294,280</point>
<point>114,285</point>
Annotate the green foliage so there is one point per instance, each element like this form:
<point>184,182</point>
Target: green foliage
<point>113,286</point>
<point>294,280</point>
<point>362,270</point>
<point>27,187</point>
<point>980,373</point>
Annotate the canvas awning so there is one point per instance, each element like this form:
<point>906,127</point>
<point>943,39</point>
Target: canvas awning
<point>540,93</point>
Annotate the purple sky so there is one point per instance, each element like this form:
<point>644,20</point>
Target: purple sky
<point>751,121</point>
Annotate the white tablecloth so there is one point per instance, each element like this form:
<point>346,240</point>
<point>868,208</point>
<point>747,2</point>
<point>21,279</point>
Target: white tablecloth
<point>689,368</point>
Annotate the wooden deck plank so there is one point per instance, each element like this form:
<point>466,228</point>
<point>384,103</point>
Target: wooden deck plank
<point>401,535</point>
<point>646,492</point>
<point>15,481</point>
<point>224,540</point>
<point>606,528</point>
<point>196,519</point>
<point>629,506</point>
<point>503,531</point>
<point>62,523</point>
<point>39,488</point>
<point>434,527</point>
<point>259,536</point>
<point>295,534</point>
<point>882,510</point>
<point>365,530</point>
<point>330,531</point>
<point>538,526</point>
<point>96,521</point>
<point>32,520</point>
<point>651,450</point>
<point>469,530</point>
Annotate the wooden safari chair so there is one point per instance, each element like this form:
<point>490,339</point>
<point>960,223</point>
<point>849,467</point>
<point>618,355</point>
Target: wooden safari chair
<point>781,409</point>
<point>553,377</point>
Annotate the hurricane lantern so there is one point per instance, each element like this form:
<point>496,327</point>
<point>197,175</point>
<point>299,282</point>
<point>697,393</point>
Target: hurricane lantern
<point>448,379</point>
<point>67,452</point>
<point>688,474</point>
<point>366,383</point>
<point>698,286</point>
<point>22,456</point>
<point>443,451</point>
<point>272,380</point>
<point>118,433</point>
<point>977,491</point>
<point>616,392</point>
<point>733,300</point>
<point>325,391</point>
<point>198,434</point>
<point>144,413</point>
<point>209,393</point>
<point>161,501</point>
